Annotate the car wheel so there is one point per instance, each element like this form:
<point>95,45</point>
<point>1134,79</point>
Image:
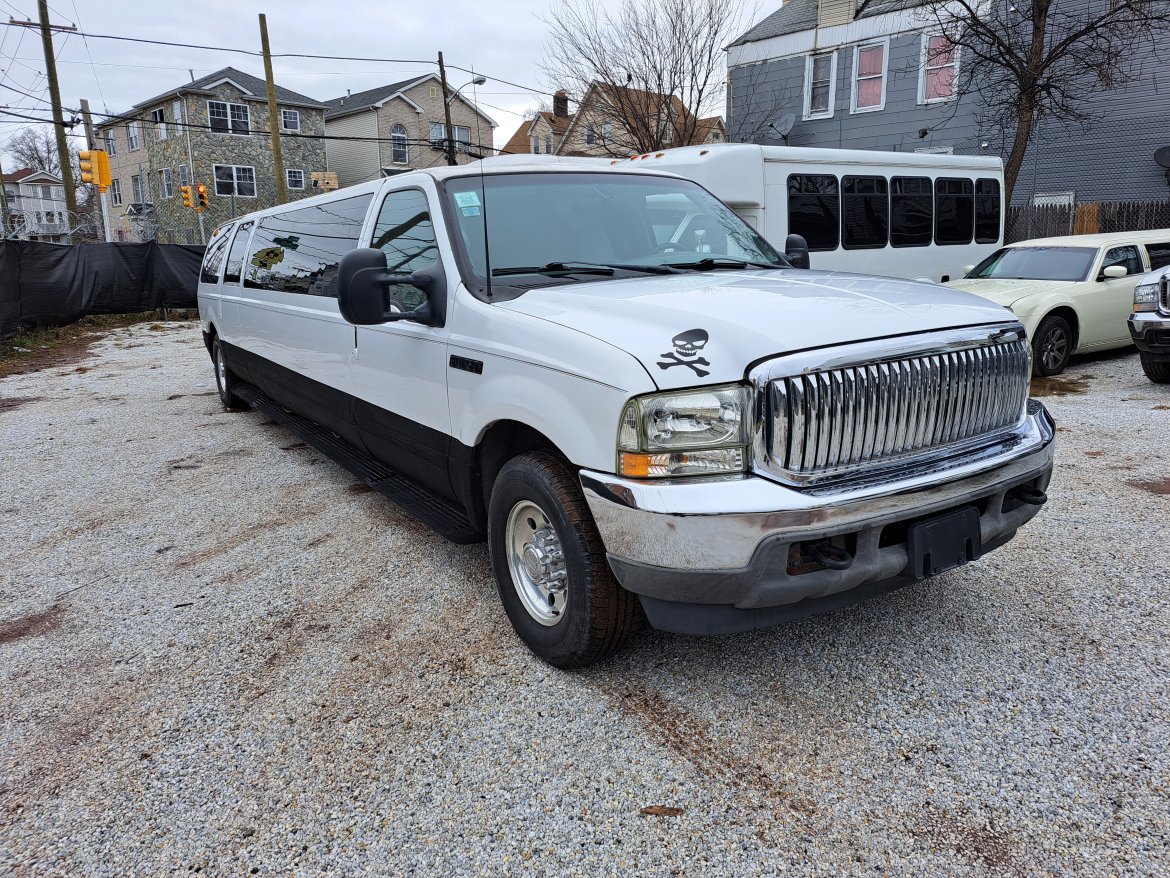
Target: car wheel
<point>224,380</point>
<point>1051,346</point>
<point>1157,371</point>
<point>550,566</point>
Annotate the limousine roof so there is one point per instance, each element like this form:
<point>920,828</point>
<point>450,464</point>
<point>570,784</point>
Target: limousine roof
<point>510,164</point>
<point>1102,239</point>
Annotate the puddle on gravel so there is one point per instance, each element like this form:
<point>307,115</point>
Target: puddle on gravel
<point>9,403</point>
<point>1155,486</point>
<point>1060,385</point>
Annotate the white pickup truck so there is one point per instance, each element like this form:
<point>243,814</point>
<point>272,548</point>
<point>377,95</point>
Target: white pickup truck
<point>693,427</point>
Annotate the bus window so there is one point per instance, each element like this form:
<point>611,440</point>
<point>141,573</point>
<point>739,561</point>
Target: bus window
<point>865,212</point>
<point>814,210</point>
<point>954,210</point>
<point>911,212</point>
<point>987,211</point>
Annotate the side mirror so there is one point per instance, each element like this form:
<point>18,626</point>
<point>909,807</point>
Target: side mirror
<point>1111,272</point>
<point>967,269</point>
<point>363,289</point>
<point>796,251</point>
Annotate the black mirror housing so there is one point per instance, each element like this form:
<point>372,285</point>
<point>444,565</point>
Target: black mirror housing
<point>363,290</point>
<point>796,251</point>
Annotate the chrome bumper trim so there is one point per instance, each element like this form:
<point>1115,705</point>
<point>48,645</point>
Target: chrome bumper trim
<point>1141,322</point>
<point>718,524</point>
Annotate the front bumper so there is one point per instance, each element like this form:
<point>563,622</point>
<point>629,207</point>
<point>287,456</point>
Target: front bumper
<point>1150,331</point>
<point>713,556</point>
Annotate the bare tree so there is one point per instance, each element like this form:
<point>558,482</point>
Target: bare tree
<point>1033,60</point>
<point>35,148</point>
<point>654,67</point>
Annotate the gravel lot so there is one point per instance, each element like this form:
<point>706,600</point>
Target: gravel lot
<point>218,654</point>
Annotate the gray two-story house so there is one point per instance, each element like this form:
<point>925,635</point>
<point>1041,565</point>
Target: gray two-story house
<point>876,75</point>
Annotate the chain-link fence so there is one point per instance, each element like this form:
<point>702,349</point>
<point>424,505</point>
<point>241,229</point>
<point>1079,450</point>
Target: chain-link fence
<point>1032,220</point>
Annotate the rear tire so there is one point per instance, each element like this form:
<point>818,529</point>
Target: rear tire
<point>550,566</point>
<point>1052,346</point>
<point>224,380</point>
<point>1157,370</point>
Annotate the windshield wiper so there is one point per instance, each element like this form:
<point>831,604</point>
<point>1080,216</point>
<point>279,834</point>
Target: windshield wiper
<point>555,268</point>
<point>711,263</point>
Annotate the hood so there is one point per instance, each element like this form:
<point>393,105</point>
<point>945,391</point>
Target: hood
<point>1005,291</point>
<point>693,329</point>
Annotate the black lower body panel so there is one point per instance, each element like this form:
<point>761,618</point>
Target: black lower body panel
<point>430,508</point>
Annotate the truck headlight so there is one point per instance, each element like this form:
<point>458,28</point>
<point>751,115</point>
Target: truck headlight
<point>689,433</point>
<point>1145,297</point>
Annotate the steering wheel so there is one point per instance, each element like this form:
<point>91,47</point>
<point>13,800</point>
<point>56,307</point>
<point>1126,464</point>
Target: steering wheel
<point>668,247</point>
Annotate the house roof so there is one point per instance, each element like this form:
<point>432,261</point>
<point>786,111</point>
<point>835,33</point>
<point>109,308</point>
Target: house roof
<point>249,84</point>
<point>703,127</point>
<point>363,100</point>
<point>518,142</point>
<point>800,15</point>
<point>27,175</point>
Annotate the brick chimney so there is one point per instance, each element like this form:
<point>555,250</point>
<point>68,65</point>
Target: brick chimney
<point>561,104</point>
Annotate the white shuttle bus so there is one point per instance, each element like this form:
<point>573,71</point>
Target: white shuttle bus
<point>921,216</point>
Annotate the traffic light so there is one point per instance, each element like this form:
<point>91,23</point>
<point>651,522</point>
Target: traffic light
<point>201,193</point>
<point>95,167</point>
<point>188,201</point>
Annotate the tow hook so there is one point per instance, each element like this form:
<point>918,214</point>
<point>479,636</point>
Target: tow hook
<point>830,557</point>
<point>1029,495</point>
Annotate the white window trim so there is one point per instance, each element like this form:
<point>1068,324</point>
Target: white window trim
<point>807,113</point>
<point>166,180</point>
<point>236,182</point>
<point>885,44</point>
<point>160,124</point>
<point>922,99</point>
<point>230,132</point>
<point>283,127</point>
<point>288,180</point>
<point>133,135</point>
<point>405,136</point>
<point>116,193</point>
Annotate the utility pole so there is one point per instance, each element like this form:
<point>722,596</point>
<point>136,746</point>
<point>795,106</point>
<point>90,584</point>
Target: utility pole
<point>273,118</point>
<point>55,97</point>
<point>446,113</point>
<point>91,143</point>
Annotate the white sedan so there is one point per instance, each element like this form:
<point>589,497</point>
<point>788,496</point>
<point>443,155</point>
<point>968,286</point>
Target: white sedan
<point>1073,294</point>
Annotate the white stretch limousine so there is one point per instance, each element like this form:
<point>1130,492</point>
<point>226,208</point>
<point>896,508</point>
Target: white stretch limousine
<point>712,435</point>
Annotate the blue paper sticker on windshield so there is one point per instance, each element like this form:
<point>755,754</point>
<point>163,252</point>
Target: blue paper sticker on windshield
<point>467,199</point>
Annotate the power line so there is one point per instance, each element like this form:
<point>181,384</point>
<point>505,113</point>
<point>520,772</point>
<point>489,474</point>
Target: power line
<point>92,67</point>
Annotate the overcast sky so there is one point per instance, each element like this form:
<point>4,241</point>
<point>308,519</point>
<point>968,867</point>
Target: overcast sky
<point>498,38</point>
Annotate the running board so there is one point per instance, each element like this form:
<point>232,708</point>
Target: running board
<point>436,512</point>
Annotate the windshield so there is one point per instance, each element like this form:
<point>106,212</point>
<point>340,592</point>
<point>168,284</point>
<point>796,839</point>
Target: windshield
<point>1037,263</point>
<point>558,228</point>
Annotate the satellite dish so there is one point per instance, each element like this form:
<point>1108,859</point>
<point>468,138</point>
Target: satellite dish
<point>784,126</point>
<point>1162,157</point>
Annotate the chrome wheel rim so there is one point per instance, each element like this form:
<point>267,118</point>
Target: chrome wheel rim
<point>220,369</point>
<point>537,563</point>
<point>1054,349</point>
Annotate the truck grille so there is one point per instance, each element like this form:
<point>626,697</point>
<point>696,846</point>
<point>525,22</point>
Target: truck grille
<point>1164,294</point>
<point>835,422</point>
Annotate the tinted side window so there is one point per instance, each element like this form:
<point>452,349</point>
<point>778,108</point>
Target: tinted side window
<point>911,212</point>
<point>405,233</point>
<point>1159,255</point>
<point>954,211</point>
<point>987,211</point>
<point>1127,256</point>
<point>235,260</point>
<point>213,260</point>
<point>298,251</point>
<point>814,210</point>
<point>865,212</point>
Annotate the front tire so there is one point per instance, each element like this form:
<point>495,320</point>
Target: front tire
<point>1052,346</point>
<point>550,567</point>
<point>1157,370</point>
<point>224,380</point>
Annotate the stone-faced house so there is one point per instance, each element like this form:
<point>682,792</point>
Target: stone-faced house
<point>213,131</point>
<point>400,127</point>
<point>614,121</point>
<point>36,206</point>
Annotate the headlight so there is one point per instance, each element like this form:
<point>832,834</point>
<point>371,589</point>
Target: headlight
<point>691,433</point>
<point>1145,297</point>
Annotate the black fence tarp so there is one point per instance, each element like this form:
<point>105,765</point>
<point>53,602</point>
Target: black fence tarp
<point>53,284</point>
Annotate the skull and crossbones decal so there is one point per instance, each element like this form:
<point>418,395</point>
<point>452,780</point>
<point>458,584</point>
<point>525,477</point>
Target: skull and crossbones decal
<point>687,346</point>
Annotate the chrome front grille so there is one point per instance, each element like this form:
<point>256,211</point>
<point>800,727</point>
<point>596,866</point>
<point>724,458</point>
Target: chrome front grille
<point>1164,294</point>
<point>834,422</point>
